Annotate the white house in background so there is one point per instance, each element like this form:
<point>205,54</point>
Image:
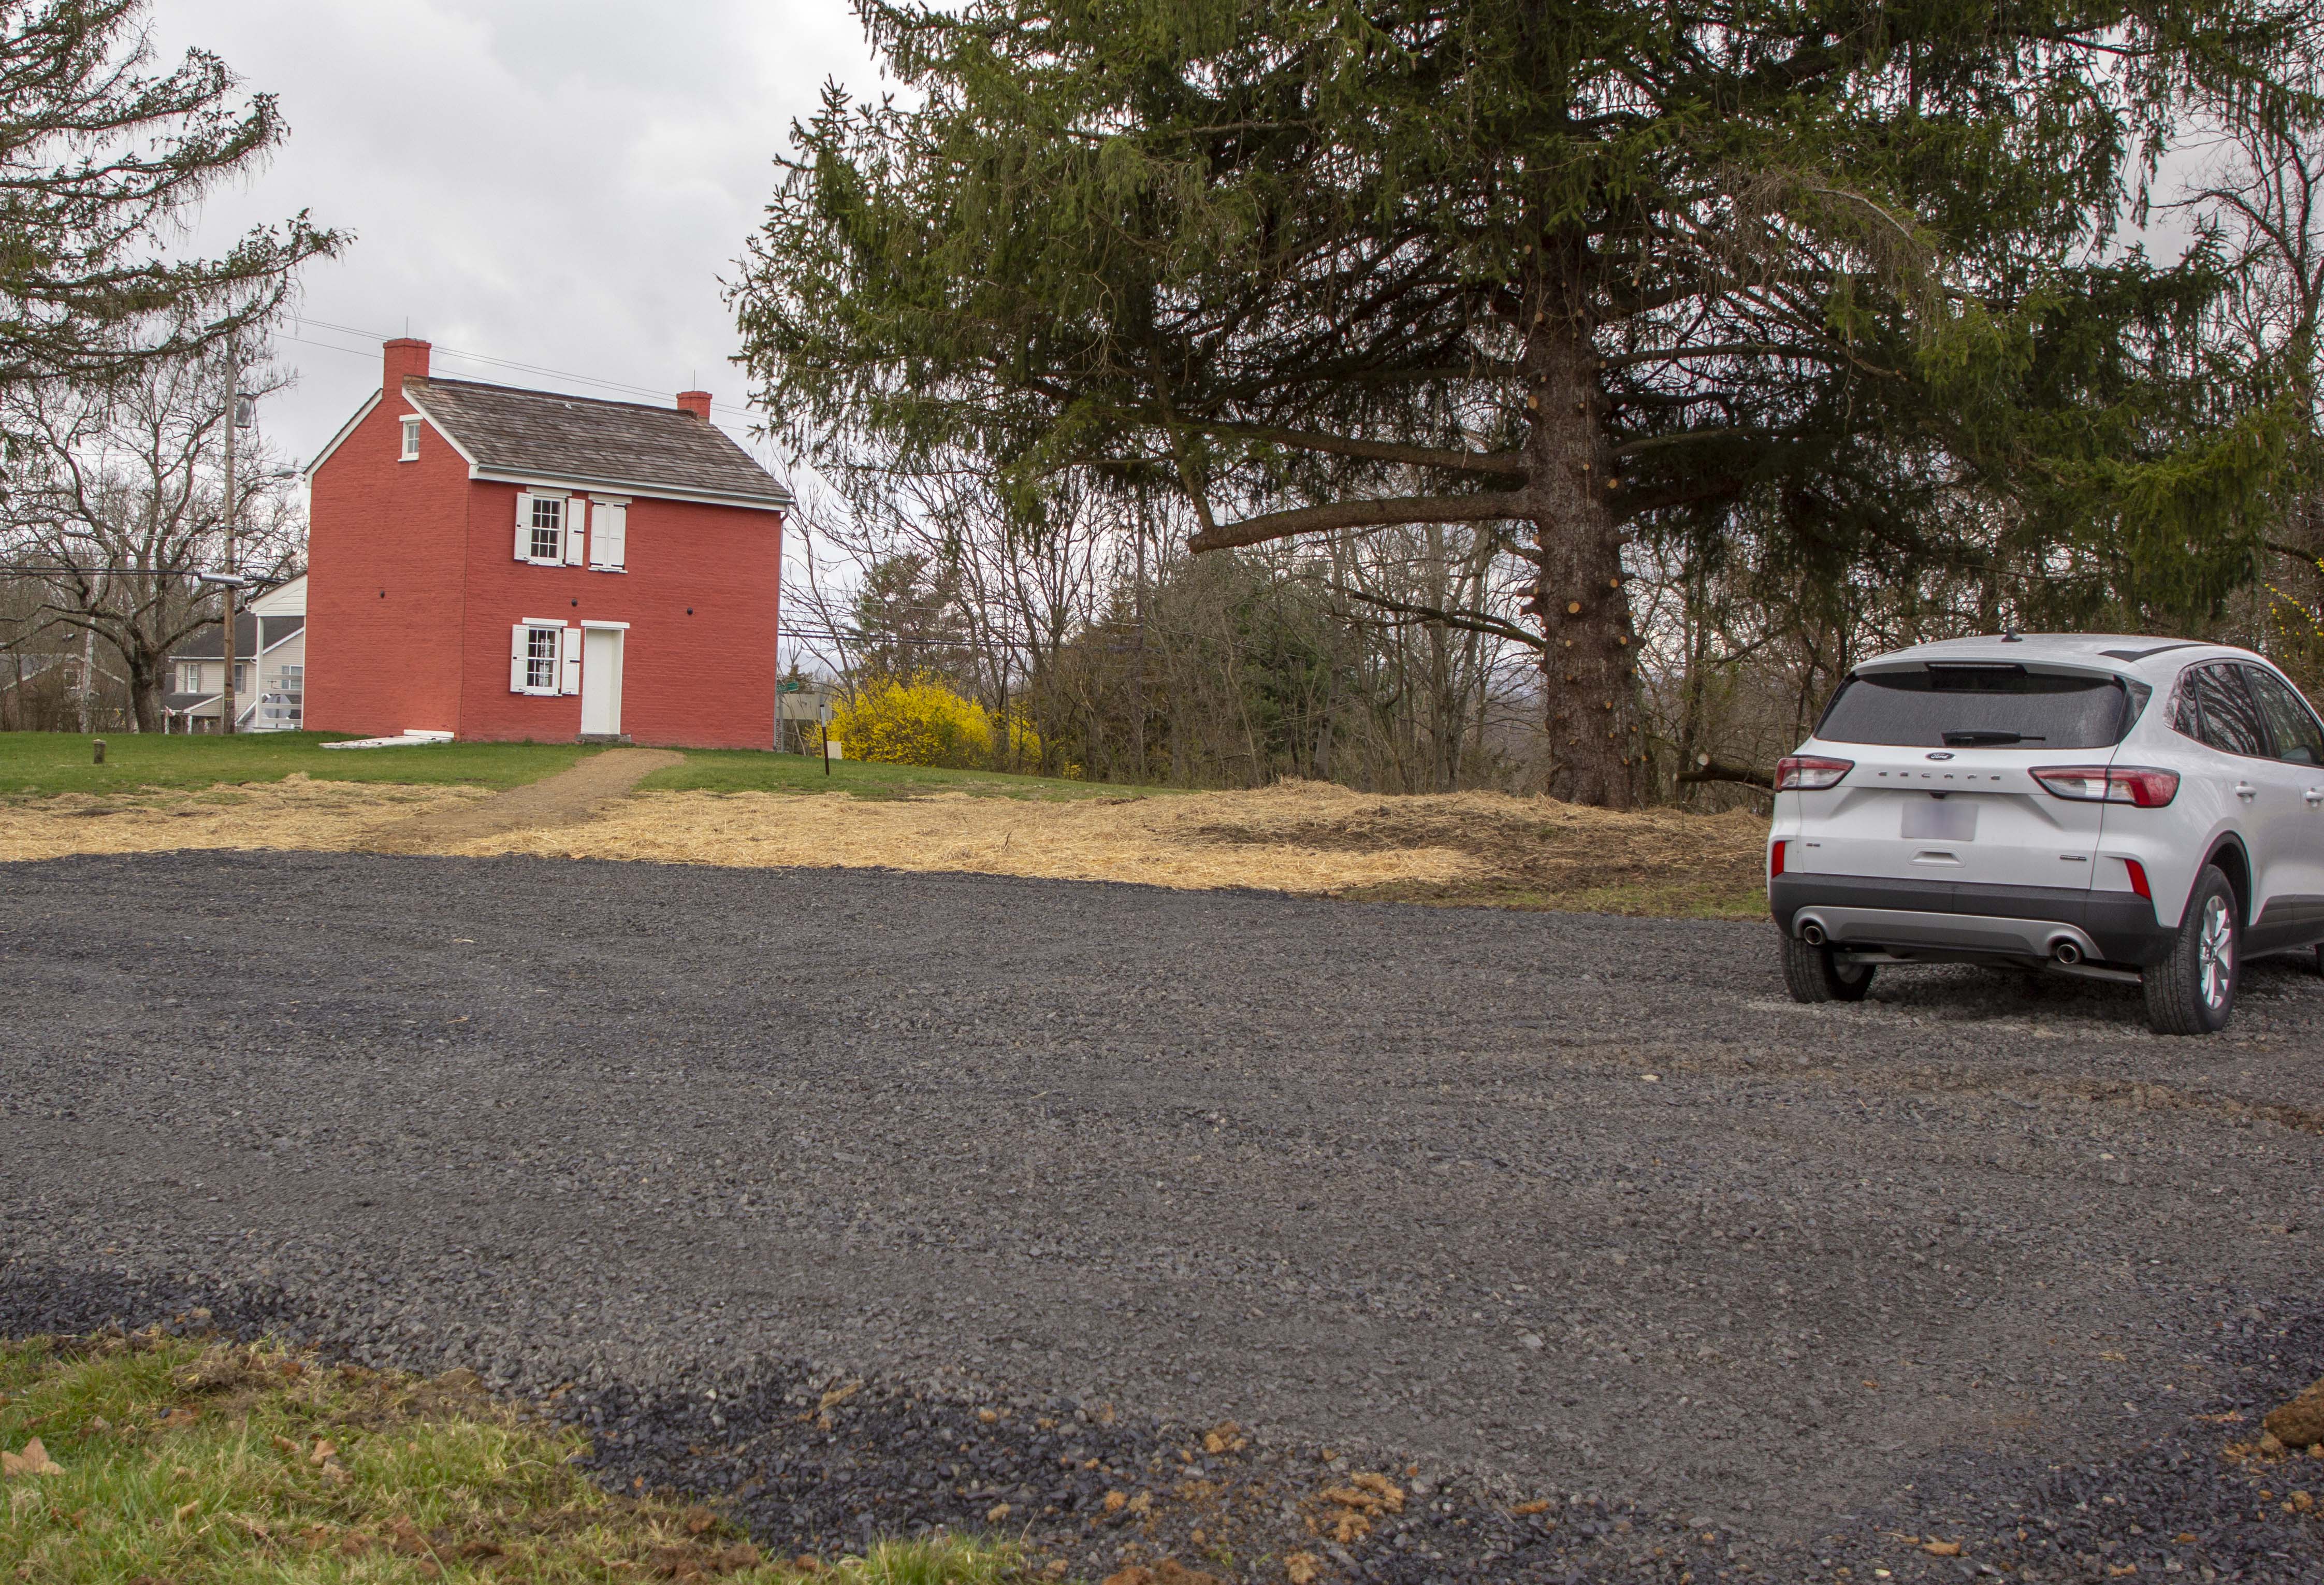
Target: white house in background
<point>270,644</point>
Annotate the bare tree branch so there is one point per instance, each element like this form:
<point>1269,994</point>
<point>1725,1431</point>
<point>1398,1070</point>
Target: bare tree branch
<point>1338,515</point>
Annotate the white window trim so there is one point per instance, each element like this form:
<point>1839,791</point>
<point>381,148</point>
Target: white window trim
<point>557,664</point>
<point>596,542</point>
<point>564,526</point>
<point>410,426</point>
<point>617,627</point>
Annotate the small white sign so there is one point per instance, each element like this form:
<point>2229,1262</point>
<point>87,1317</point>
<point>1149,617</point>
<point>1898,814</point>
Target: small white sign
<point>831,749</point>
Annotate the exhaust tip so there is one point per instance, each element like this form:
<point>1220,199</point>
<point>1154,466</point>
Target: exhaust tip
<point>1811,933</point>
<point>2066,953</point>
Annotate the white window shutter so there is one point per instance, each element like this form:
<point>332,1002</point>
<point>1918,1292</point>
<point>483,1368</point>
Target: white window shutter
<point>576,515</point>
<point>524,525</point>
<point>518,660</point>
<point>610,532</point>
<point>572,652</point>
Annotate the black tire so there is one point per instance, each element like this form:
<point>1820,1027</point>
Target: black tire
<point>2193,990</point>
<point>1812,974</point>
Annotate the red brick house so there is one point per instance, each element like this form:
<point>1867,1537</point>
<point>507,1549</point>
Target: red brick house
<point>505,564</point>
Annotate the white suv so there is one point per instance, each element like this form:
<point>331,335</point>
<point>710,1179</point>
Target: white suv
<point>2131,809</point>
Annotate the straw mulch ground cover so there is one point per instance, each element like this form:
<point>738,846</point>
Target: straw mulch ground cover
<point>291,813</point>
<point>1479,848</point>
<point>1467,848</point>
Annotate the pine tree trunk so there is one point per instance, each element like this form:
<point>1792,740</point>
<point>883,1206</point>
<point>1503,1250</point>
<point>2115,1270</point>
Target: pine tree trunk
<point>1589,671</point>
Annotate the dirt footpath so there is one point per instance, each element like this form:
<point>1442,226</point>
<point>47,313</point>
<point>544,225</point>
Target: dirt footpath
<point>1302,837</point>
<point>570,798</point>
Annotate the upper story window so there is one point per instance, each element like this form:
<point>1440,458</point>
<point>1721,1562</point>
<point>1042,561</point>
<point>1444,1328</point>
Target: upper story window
<point>548,530</point>
<point>410,438</point>
<point>190,676</point>
<point>609,533</point>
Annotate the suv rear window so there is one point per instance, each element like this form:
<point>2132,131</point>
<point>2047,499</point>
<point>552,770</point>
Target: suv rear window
<point>1979,707</point>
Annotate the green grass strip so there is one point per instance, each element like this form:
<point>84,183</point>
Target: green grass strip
<point>163,1460</point>
<point>718,769</point>
<point>39,764</point>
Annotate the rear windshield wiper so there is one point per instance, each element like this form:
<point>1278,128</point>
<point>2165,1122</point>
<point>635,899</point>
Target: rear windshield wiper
<point>1988,740</point>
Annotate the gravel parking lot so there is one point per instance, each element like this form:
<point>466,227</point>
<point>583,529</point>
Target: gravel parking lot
<point>1519,1208</point>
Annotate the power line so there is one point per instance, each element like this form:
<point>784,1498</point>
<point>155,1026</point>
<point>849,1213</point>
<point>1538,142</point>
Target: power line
<point>37,570</point>
<point>508,363</point>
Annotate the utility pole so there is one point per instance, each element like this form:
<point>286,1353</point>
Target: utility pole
<point>227,701</point>
<point>1137,654</point>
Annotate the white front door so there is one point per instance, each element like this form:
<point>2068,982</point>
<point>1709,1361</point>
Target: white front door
<point>601,682</point>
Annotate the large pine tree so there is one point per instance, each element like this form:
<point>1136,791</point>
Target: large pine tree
<point>103,162</point>
<point>1594,268</point>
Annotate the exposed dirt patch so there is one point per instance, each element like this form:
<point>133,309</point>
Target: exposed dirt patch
<point>569,798</point>
<point>1535,852</point>
<point>2300,1423</point>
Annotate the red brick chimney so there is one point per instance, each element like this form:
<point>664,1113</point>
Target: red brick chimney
<point>404,358</point>
<point>696,403</point>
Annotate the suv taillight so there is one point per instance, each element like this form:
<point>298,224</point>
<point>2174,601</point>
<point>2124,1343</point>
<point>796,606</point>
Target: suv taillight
<point>1807,773</point>
<point>2147,788</point>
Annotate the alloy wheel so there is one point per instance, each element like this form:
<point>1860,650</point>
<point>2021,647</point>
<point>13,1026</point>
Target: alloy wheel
<point>2218,948</point>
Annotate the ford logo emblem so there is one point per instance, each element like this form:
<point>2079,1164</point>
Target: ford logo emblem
<point>1941,753</point>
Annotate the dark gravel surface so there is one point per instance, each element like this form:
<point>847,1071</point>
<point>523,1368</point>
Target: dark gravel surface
<point>1520,1209</point>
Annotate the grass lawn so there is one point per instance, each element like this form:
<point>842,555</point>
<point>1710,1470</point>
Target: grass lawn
<point>727,770</point>
<point>160,1460</point>
<point>36,764</point>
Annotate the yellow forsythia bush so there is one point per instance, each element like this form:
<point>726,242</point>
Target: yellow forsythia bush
<point>920,721</point>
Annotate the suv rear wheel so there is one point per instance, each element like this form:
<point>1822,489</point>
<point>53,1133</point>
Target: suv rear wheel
<point>1813,974</point>
<point>2193,990</point>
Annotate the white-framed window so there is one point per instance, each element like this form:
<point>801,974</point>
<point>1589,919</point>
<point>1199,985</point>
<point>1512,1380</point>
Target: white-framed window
<point>549,528</point>
<point>609,534</point>
<point>242,678</point>
<point>544,657</point>
<point>190,676</point>
<point>411,438</point>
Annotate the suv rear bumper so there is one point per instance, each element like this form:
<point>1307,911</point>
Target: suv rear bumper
<point>1945,917</point>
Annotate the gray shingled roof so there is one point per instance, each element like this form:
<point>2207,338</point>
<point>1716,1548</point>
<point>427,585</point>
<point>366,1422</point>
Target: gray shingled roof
<point>579,440</point>
<point>207,643</point>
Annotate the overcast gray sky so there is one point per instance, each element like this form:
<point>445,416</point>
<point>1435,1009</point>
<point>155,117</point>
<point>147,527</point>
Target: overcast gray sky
<point>558,183</point>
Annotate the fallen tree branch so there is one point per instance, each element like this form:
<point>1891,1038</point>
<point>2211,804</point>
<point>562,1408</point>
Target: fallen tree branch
<point>1711,770</point>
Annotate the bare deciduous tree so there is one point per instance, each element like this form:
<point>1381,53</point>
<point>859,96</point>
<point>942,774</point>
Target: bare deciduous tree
<point>118,506</point>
